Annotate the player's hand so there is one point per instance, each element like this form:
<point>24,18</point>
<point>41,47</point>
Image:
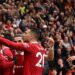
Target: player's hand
<point>50,42</point>
<point>71,58</point>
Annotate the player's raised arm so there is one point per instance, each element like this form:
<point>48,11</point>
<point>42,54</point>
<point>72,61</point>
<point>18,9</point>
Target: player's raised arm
<point>50,53</point>
<point>11,44</point>
<point>29,36</point>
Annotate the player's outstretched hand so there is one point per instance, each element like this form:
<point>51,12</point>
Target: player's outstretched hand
<point>71,58</point>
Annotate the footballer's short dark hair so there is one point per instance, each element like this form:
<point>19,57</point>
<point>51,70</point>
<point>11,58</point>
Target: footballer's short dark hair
<point>36,32</point>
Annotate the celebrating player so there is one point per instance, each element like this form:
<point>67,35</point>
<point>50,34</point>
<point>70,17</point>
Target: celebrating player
<point>34,53</point>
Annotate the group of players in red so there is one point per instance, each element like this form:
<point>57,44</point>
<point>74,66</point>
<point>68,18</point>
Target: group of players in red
<point>11,60</point>
<point>34,55</point>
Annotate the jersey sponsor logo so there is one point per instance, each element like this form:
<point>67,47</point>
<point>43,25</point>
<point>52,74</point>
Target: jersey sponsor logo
<point>40,62</point>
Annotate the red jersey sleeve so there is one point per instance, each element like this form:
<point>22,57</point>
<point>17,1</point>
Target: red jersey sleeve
<point>17,46</point>
<point>4,63</point>
<point>7,64</point>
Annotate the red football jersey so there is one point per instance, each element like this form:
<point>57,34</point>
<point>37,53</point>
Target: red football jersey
<point>33,58</point>
<point>19,63</point>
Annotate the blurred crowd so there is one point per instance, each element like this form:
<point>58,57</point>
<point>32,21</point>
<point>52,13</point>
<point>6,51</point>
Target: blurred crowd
<point>52,18</point>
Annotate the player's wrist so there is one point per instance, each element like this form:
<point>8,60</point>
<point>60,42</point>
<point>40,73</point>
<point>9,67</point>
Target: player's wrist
<point>50,48</point>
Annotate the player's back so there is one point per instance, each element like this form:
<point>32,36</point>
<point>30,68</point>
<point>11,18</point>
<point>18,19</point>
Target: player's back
<point>34,60</point>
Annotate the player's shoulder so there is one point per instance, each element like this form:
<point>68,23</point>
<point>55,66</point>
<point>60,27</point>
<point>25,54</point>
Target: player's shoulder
<point>40,47</point>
